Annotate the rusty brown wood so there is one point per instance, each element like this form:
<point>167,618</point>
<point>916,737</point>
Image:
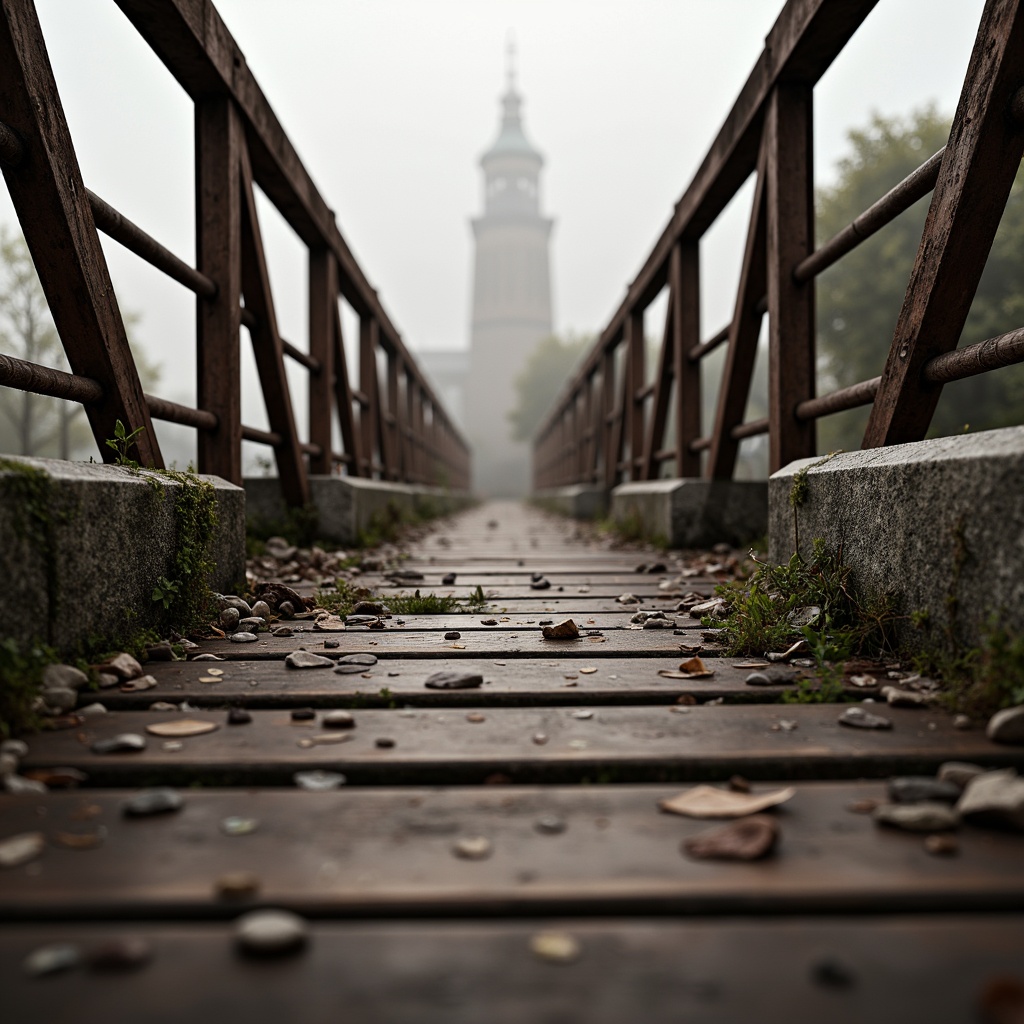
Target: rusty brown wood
<point>115,224</point>
<point>173,412</point>
<point>267,350</point>
<point>369,422</point>
<point>323,297</point>
<point>191,39</point>
<point>218,143</point>
<point>977,172</point>
<point>392,852</point>
<point>684,277</point>
<point>12,152</point>
<point>662,390</point>
<point>632,404</point>
<point>1005,350</point>
<point>901,197</point>
<point>789,197</point>
<point>744,329</point>
<point>44,380</point>
<point>438,972</point>
<point>395,460</point>
<point>609,452</point>
<point>50,200</point>
<point>802,44</point>
<point>837,401</point>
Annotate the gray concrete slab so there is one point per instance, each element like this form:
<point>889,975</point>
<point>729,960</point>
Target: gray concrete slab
<point>348,506</point>
<point>925,522</point>
<point>580,501</point>
<point>689,513</point>
<point>84,544</point>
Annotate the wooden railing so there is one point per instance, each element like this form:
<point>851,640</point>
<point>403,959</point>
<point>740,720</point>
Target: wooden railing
<point>393,430</point>
<point>608,425</point>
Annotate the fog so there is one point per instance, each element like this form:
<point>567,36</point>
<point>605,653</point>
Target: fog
<point>391,102</point>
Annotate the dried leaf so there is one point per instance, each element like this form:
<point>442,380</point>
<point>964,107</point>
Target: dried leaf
<point>696,669</point>
<point>710,802</point>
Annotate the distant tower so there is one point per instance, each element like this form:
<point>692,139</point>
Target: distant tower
<point>511,298</point>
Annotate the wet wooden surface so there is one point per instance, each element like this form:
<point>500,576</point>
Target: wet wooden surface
<point>404,929</point>
<point>556,743</point>
<point>391,851</point>
<point>513,681</point>
<point>903,970</point>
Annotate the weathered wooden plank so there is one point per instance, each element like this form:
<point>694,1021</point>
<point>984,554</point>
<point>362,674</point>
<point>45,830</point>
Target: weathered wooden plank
<point>389,851</point>
<point>789,196</point>
<point>907,970</point>
<point>734,390</point>
<point>267,348</point>
<point>52,205</point>
<point>521,643</point>
<point>399,681</point>
<point>608,744</point>
<point>218,146</point>
<point>323,300</point>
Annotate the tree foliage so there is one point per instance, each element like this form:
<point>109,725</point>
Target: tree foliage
<point>859,299</point>
<point>34,424</point>
<point>547,368</point>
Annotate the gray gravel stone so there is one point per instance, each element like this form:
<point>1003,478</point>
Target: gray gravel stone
<point>338,720</point>
<point>916,789</point>
<point>65,677</point>
<point>261,609</point>
<point>148,802</point>
<point>452,680</point>
<point>306,659</point>
<point>858,718</point>
<point>229,618</point>
<point>271,932</point>
<point>123,743</point>
<point>1007,726</point>
<point>59,699</point>
<point>923,817</point>
<point>243,638</point>
<point>959,772</point>
<point>995,799</point>
<point>51,959</point>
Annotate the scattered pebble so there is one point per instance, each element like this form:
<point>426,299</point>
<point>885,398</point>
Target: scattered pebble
<point>540,738</point>
<point>235,826</point>
<point>473,848</point>
<point>1007,726</point>
<point>63,677</point>
<point>994,799</point>
<point>237,885</point>
<point>555,947</point>
<point>448,579</point>
<point>832,973</point>
<point>384,742</point>
<point>20,849</point>
<point>51,959</point>
<point>339,719</point>
<point>453,634</point>
<point>962,722</point>
<point>148,802</point>
<point>476,717</point>
<point>239,716</point>
<point>93,709</point>
<point>858,718</point>
<point>959,772</point>
<point>453,680</point>
<point>123,743</point>
<point>360,659</point>
<point>270,932</point>
<point>124,666</point>
<point>583,714</point>
<point>564,630</point>
<point>939,845</point>
<point>229,619</point>
<point>303,715</point>
<point>550,825</point>
<point>915,789</point>
<point>261,610</point>
<point>305,659</point>
<point>243,638</point>
<point>922,817</point>
<point>864,806</point>
<point>318,781</point>
<point>125,953</point>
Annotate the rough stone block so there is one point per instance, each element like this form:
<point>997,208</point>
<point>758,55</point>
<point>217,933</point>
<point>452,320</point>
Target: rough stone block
<point>84,545</point>
<point>347,506</point>
<point>924,522</point>
<point>580,501</point>
<point>692,513</point>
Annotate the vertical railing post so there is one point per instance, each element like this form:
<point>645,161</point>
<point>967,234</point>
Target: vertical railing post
<point>634,407</point>
<point>369,410</point>
<point>218,145</point>
<point>323,295</point>
<point>610,458</point>
<point>395,461</point>
<point>684,277</point>
<point>790,222</point>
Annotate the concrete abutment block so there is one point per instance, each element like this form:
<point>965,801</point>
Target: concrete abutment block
<point>578,501</point>
<point>85,544</point>
<point>923,522</point>
<point>349,506</point>
<point>690,513</point>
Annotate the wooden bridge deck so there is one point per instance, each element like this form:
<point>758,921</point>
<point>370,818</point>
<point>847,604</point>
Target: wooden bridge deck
<point>558,761</point>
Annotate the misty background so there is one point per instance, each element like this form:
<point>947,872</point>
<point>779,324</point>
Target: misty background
<point>390,103</point>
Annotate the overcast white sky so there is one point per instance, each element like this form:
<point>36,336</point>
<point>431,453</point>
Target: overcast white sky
<point>390,103</point>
